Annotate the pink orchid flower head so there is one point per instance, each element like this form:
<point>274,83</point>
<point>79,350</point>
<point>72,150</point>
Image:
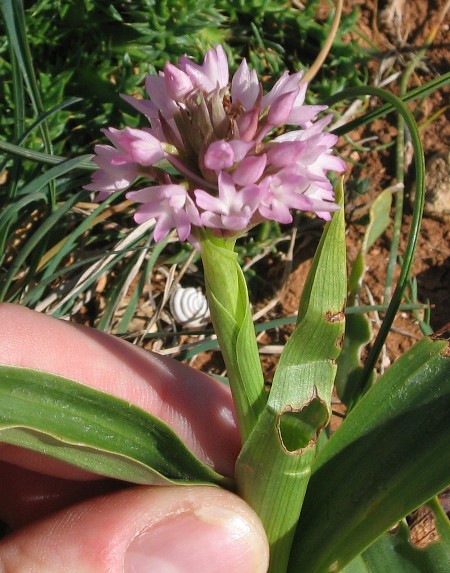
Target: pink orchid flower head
<point>212,155</point>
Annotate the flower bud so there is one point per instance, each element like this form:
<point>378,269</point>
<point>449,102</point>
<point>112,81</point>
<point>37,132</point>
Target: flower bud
<point>178,84</point>
<point>219,155</point>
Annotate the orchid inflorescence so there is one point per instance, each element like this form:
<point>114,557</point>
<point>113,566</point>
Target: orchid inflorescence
<point>215,134</point>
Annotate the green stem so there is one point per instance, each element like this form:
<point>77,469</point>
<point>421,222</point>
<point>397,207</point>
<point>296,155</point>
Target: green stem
<point>398,209</point>
<point>231,316</point>
<point>400,174</point>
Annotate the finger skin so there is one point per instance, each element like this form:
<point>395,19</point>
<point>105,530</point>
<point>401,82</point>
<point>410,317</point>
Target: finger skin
<point>93,536</point>
<point>27,496</point>
<point>199,408</point>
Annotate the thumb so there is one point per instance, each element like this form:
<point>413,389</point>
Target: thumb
<point>143,530</point>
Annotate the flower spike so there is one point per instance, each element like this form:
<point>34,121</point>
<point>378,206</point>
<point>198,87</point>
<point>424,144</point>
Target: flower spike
<point>216,132</point>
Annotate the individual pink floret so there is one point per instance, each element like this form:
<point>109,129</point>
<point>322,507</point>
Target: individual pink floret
<point>231,210</point>
<point>170,206</point>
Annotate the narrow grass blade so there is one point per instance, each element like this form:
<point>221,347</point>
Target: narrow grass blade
<point>385,109</point>
<point>10,214</point>
<point>16,149</point>
<point>13,12</point>
<point>33,242</point>
<point>136,297</point>
<point>120,287</point>
<point>19,151</point>
<point>19,124</point>
<point>122,249</point>
<point>64,248</point>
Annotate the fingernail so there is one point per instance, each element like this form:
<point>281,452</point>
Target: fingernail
<point>207,540</point>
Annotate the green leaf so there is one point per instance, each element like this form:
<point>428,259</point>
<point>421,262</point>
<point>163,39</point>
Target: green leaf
<point>395,551</point>
<point>379,220</point>
<point>389,456</point>
<point>93,430</point>
<point>358,330</point>
<point>307,365</point>
<point>274,466</point>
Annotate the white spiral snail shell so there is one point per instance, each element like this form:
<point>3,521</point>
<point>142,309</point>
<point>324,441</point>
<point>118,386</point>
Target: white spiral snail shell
<point>189,307</point>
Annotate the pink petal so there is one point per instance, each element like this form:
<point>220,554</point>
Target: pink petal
<point>275,91</point>
<point>281,108</point>
<point>302,87</point>
<point>245,86</point>
<point>210,219</point>
<point>222,66</point>
<point>106,156</point>
<point>251,197</point>
<point>192,212</point>
<point>249,170</point>
<point>156,89</point>
<point>116,173</point>
<point>146,149</point>
<point>162,228</point>
<point>285,153</point>
<point>303,114</point>
<point>145,195</point>
<point>248,124</point>
<point>145,106</point>
<point>334,163</point>
<point>240,148</point>
<point>227,190</point>
<point>146,212</point>
<point>115,179</point>
<point>215,67</point>
<point>277,212</point>
<point>212,73</point>
<point>286,83</point>
<point>177,82</point>
<point>175,196</point>
<point>207,201</point>
<point>235,222</point>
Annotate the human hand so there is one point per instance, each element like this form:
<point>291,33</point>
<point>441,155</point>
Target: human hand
<point>64,519</point>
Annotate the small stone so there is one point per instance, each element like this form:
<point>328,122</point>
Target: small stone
<point>437,186</point>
